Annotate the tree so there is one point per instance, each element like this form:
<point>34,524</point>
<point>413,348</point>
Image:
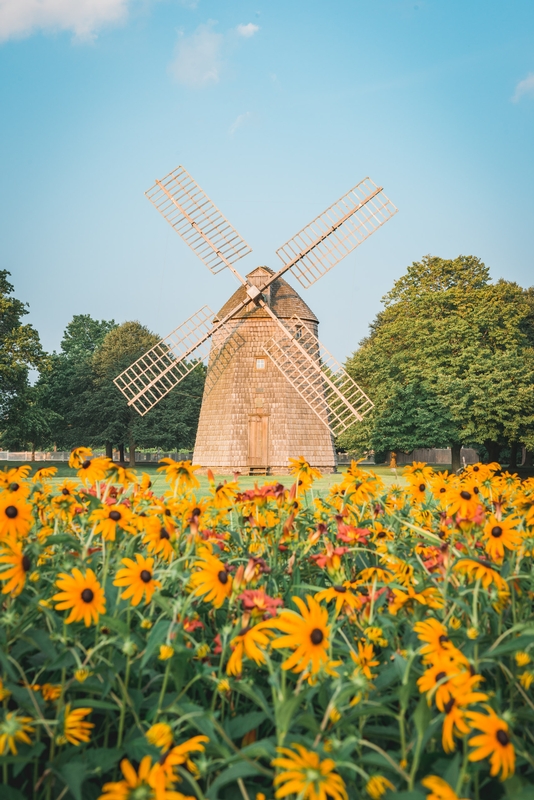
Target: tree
<point>450,356</point>
<point>66,383</point>
<point>29,423</point>
<point>20,348</point>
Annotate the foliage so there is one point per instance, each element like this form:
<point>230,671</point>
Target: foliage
<point>449,361</point>
<point>262,642</point>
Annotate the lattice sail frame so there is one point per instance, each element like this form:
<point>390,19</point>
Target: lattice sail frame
<point>336,232</point>
<point>162,368</point>
<point>188,209</point>
<point>320,380</point>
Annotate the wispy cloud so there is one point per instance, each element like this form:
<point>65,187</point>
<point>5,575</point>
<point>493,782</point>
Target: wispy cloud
<point>20,18</point>
<point>199,58</point>
<point>239,122</point>
<point>524,87</point>
<point>247,30</point>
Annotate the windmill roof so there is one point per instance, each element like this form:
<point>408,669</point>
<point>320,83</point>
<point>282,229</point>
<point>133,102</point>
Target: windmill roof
<point>281,297</point>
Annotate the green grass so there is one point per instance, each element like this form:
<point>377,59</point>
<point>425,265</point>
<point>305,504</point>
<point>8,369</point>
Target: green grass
<point>245,481</point>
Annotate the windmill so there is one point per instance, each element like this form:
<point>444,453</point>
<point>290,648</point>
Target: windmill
<point>272,389</point>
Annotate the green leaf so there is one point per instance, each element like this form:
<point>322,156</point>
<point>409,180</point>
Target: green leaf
<point>158,634</point>
<point>74,774</point>
<point>33,752</point>
<point>240,770</point>
<point>137,748</point>
<point>42,642</point>
<point>237,727</point>
<point>64,538</point>
<point>91,702</point>
<point>114,624</point>
<point>422,716</point>
<point>511,646</point>
<point>254,693</point>
<point>8,793</point>
<point>103,758</point>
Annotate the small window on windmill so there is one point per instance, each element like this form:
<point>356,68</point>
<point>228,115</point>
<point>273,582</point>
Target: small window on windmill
<point>298,332</point>
<point>260,363</point>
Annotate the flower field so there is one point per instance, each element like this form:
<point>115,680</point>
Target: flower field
<point>269,642</point>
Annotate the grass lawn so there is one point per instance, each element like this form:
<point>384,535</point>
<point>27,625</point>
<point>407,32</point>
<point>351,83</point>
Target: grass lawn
<point>245,482</point>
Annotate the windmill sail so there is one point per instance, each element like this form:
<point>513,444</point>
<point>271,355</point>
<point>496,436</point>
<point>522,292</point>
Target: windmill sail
<point>336,232</point>
<point>316,375</point>
<point>162,368</point>
<point>198,221</point>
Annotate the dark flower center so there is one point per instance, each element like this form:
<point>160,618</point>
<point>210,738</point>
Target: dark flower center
<point>422,487</point>
<point>26,563</point>
<point>86,464</point>
<point>466,495</point>
<point>145,576</point>
<point>163,534</point>
<point>476,490</point>
<point>496,531</point>
<point>381,535</point>
<point>476,469</point>
<point>13,487</point>
<point>167,512</point>
<point>65,491</point>
<point>196,512</point>
<point>316,636</point>
<point>87,595</point>
<point>443,638</point>
<point>340,589</point>
<point>115,515</point>
<point>502,737</point>
<point>223,576</point>
<point>449,706</point>
<point>440,676</point>
<point>12,512</point>
<point>442,490</point>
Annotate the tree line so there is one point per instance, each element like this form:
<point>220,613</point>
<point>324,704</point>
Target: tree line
<point>448,362</point>
<point>74,401</point>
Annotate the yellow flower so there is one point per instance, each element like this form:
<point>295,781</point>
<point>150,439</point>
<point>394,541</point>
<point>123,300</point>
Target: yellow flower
<point>500,534</point>
<point>81,593</point>
<point>526,679</point>
<point>149,783</point>
<point>343,596</point>
<point>19,565</point>
<point>223,686</point>
<point>138,578</point>
<point>160,735</point>
<point>165,652</point>
<point>439,789</point>
<point>455,623</point>
<point>493,742</point>
<point>75,729</point>
<point>146,624</point>
<point>181,473</point>
<point>90,470</point>
<point>14,729</point>
<point>522,658</point>
<point>82,674</point>
<point>50,691</point>
<point>249,642</point>
<point>109,518</point>
<point>377,786</point>
<point>365,659</point>
<point>34,577</point>
<point>223,495</point>
<point>4,691</point>
<point>78,456</point>
<point>202,651</point>
<point>301,772</point>
<point>472,632</point>
<point>304,473</point>
<point>307,634</point>
<point>15,516</point>
<point>480,572</point>
<point>212,579</point>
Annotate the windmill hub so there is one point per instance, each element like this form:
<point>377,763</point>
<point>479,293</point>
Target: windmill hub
<point>272,389</point>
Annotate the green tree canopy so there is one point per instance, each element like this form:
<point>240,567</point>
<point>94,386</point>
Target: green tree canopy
<point>449,360</point>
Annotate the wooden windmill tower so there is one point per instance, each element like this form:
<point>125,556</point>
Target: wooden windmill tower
<point>272,390</point>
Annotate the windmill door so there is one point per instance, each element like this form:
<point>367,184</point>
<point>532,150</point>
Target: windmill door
<point>258,440</point>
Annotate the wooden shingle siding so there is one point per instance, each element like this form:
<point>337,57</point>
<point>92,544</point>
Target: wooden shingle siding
<point>241,401</point>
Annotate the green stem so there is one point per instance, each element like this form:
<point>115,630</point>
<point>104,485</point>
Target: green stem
<point>124,703</point>
<point>461,776</point>
<point>163,688</point>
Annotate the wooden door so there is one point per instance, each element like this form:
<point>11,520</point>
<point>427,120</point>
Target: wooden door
<point>258,440</point>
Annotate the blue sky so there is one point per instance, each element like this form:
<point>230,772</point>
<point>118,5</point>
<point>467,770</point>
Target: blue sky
<point>276,109</point>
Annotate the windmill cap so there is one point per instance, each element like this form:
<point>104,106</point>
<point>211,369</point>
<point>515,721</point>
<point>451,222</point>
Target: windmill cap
<point>280,296</point>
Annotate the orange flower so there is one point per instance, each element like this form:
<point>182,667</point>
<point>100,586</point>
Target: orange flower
<point>500,534</point>
<point>82,594</point>
<point>307,634</point>
<point>138,578</point>
<point>493,742</point>
<point>212,580</point>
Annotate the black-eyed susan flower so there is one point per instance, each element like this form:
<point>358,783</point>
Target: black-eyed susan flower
<point>51,691</point>
<point>377,786</point>
<point>477,571</point>
<point>13,729</point>
<point>500,534</point>
<point>17,564</point>
<point>438,643</point>
<point>141,784</point>
<point>75,729</point>
<point>212,581</point>
<point>90,469</point>
<point>430,597</point>
<point>439,788</point>
<point>365,659</point>
<point>180,473</point>
<point>222,496</point>
<point>158,537</point>
<point>160,735</point>
<point>440,679</point>
<point>307,634</point>
<point>301,772</point>
<point>110,517</point>
<point>455,710</point>
<point>343,595</point>
<point>82,594</point>
<point>15,516</point>
<point>304,473</point>
<point>492,742</point>
<point>250,642</point>
<point>138,577</point>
